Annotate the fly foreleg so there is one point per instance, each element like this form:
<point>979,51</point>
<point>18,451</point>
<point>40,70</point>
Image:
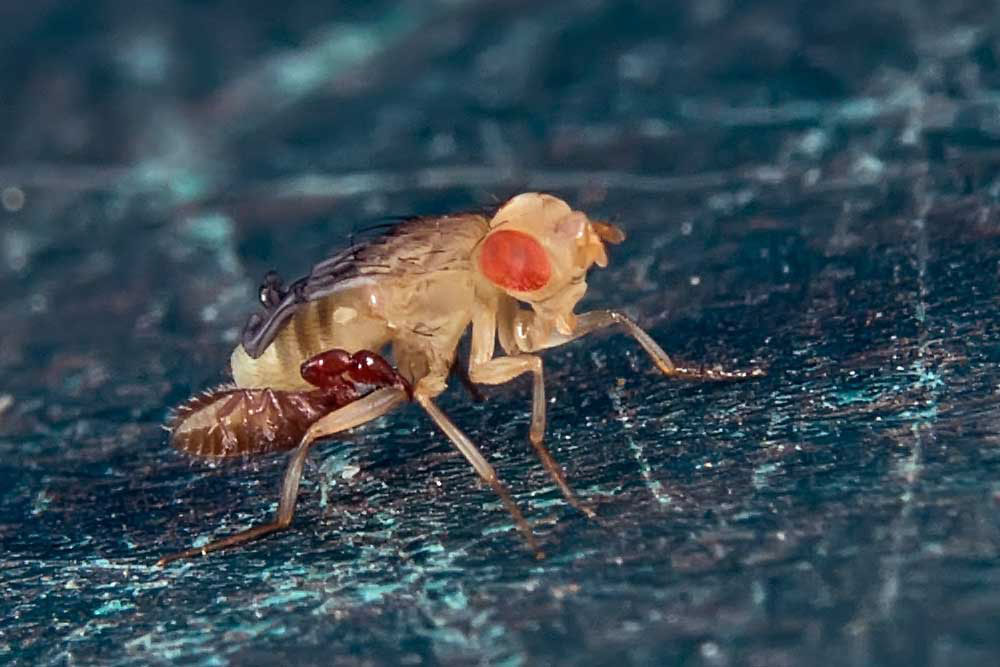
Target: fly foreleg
<point>602,319</point>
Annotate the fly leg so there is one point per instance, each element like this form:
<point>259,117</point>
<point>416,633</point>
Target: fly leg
<point>462,373</point>
<point>482,466</point>
<point>363,410</point>
<point>601,319</point>
<point>517,328</point>
<point>505,369</point>
<point>485,369</point>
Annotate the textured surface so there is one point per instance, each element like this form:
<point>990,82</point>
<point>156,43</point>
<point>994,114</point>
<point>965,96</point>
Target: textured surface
<point>811,188</point>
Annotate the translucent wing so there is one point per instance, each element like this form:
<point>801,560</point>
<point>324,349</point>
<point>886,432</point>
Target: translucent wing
<point>415,246</point>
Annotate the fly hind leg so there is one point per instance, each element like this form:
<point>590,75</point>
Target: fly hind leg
<point>363,410</point>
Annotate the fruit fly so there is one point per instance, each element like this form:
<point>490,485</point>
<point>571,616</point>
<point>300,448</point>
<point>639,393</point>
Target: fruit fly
<point>310,365</point>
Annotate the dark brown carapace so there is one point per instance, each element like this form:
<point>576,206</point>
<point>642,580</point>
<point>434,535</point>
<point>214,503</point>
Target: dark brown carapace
<point>231,421</point>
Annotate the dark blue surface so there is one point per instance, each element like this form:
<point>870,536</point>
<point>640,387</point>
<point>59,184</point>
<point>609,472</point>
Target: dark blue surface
<point>814,189</point>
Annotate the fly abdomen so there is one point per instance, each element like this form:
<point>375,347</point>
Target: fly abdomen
<point>340,321</point>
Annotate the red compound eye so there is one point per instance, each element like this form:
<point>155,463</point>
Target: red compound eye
<point>514,260</point>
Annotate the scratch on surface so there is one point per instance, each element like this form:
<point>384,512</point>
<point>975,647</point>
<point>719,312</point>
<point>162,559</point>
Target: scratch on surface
<point>654,485</point>
<point>911,468</point>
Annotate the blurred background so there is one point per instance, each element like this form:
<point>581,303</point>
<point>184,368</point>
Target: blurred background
<point>811,187</point>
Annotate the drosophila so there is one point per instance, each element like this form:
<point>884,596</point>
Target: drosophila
<point>309,365</point>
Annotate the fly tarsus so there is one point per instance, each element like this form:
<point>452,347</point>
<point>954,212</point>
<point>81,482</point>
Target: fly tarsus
<point>715,374</point>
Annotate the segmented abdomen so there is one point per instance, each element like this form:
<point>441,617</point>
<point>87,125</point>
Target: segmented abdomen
<point>342,321</point>
<point>230,421</point>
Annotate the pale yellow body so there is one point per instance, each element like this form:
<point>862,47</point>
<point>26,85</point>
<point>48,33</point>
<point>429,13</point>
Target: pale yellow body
<point>420,302</point>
